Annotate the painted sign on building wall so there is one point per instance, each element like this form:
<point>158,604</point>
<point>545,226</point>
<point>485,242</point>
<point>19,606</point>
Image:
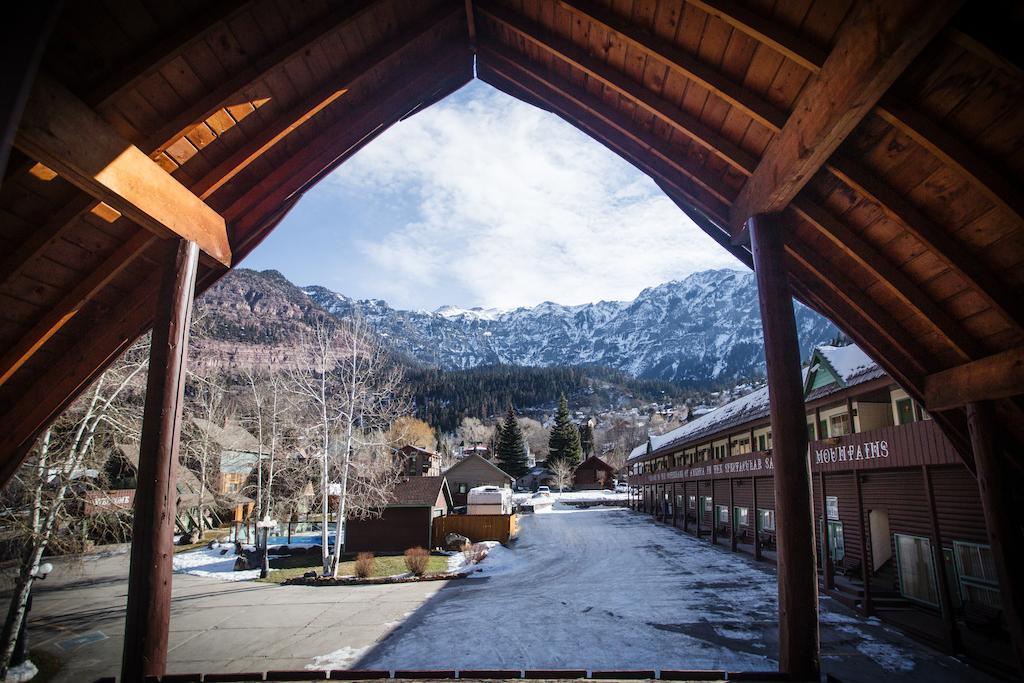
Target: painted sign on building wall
<point>870,450</point>
<point>109,501</point>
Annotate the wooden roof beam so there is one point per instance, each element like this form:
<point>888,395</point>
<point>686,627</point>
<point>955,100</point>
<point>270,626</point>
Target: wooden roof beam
<point>679,120</point>
<point>681,62</point>
<point>73,302</point>
<point>874,46</point>
<point>60,131</point>
<point>939,242</point>
<point>951,151</point>
<point>993,377</point>
<point>43,237</point>
<point>228,92</point>
<point>764,30</point>
<point>865,255</point>
<point>291,120</point>
<point>552,88</point>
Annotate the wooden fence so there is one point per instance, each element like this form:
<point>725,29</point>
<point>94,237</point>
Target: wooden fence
<point>476,528</point>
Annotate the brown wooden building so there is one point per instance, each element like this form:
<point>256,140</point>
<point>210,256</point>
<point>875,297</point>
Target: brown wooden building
<point>593,473</point>
<point>419,462</point>
<point>861,155</point>
<point>407,520</point>
<point>894,504</point>
<point>474,471</point>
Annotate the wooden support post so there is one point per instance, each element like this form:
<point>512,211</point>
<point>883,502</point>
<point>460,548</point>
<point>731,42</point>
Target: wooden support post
<point>149,580</point>
<point>865,565</point>
<point>732,515</point>
<point>686,508</point>
<point>850,416</point>
<point>794,507</point>
<point>952,636</point>
<point>714,515</point>
<point>757,516</point>
<point>999,500</point>
<point>826,558</point>
<point>700,507</point>
<point>817,424</point>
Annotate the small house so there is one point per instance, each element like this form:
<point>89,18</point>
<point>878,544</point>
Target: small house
<point>539,475</point>
<point>419,462</point>
<point>593,473</point>
<point>473,471</point>
<point>407,520</point>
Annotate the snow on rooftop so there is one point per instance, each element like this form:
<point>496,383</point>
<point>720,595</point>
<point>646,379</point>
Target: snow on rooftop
<point>849,361</point>
<point>638,451</point>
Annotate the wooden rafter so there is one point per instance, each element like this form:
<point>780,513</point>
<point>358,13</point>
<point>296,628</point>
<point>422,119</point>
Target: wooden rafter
<point>681,62</point>
<point>228,91</point>
<point>73,302</point>
<point>995,185</point>
<point>43,237</point>
<point>62,132</point>
<point>291,120</point>
<point>939,242</point>
<point>992,377</point>
<point>686,124</point>
<point>866,256</point>
<point>764,30</point>
<point>873,47</point>
<point>519,71</point>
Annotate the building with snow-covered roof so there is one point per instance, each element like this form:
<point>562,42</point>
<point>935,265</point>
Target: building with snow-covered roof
<point>891,497</point>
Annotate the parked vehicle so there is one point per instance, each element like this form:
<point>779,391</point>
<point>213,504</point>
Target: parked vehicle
<point>622,487</point>
<point>543,491</point>
<point>489,500</point>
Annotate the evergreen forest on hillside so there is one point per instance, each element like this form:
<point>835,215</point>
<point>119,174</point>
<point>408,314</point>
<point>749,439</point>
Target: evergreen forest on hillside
<point>443,398</point>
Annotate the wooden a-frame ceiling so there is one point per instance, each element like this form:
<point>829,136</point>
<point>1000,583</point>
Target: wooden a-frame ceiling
<point>889,135</point>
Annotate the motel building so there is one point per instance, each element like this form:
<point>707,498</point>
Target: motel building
<point>895,506</point>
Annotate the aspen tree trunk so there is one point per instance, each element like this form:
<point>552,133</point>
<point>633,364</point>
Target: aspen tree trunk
<point>349,419</point>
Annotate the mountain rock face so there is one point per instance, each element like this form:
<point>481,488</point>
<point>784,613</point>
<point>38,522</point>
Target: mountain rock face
<point>699,331</point>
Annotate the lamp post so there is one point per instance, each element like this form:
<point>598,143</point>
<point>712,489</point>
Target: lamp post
<point>20,655</point>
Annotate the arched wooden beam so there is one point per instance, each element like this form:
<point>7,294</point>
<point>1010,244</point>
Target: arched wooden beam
<point>230,90</point>
<point>290,121</point>
<point>681,121</point>
<point>516,69</point>
<point>994,184</point>
<point>867,257</point>
<point>939,242</point>
<point>677,59</point>
<point>873,47</point>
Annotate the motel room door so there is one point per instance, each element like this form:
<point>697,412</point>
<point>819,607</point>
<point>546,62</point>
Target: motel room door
<point>881,539</point>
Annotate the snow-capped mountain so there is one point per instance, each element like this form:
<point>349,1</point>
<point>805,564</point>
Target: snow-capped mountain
<point>700,330</point>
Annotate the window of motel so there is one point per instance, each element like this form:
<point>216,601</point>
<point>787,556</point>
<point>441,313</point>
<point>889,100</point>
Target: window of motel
<point>904,411</point>
<point>766,520</point>
<point>976,570</point>
<point>742,516</point>
<point>722,514</point>
<point>838,425</point>
<point>916,569</point>
<point>691,502</point>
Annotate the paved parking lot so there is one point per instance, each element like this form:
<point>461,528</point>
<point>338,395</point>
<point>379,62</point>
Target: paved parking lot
<point>594,589</point>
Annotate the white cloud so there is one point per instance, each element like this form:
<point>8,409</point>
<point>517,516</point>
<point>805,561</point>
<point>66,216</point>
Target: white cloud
<point>515,207</point>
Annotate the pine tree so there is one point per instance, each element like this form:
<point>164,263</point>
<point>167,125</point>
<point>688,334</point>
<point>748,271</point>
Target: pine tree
<point>511,450</point>
<point>564,442</point>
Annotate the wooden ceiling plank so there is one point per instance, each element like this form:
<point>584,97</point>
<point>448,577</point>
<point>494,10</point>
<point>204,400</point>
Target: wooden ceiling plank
<point>997,376</point>
<point>993,184</point>
<point>936,239</point>
<point>283,125</point>
<point>230,89</point>
<point>503,60</point>
<point>62,312</point>
<point>873,47</point>
<point>888,275</point>
<point>682,62</point>
<point>766,31</point>
<point>60,131</point>
<point>41,238</point>
<point>675,117</point>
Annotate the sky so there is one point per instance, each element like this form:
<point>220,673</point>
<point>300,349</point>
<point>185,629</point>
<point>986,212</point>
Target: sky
<point>483,200</point>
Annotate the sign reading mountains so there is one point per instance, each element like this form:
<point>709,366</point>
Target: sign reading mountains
<point>699,331</point>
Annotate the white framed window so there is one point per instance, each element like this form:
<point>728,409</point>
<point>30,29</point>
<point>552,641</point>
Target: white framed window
<point>742,516</point>
<point>722,514</point>
<point>977,571</point>
<point>705,504</point>
<point>766,519</point>
<point>839,425</point>
<point>832,507</point>
<point>916,567</point>
<point>692,502</point>
<point>463,488</point>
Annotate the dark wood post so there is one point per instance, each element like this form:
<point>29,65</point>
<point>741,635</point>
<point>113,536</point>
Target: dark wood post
<point>700,507</point>
<point>817,423</point>
<point>865,564</point>
<point>686,507</point>
<point>945,600</point>
<point>849,415</point>
<point>714,515</point>
<point>732,515</point>
<point>826,558</point>
<point>794,507</point>
<point>757,515</point>
<point>996,484</point>
<point>149,579</point>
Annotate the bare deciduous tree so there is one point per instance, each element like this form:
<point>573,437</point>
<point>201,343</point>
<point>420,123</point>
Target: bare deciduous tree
<point>562,472</point>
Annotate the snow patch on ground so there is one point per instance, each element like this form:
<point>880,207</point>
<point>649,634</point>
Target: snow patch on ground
<point>216,563</point>
<point>339,659</point>
<point>887,656</point>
